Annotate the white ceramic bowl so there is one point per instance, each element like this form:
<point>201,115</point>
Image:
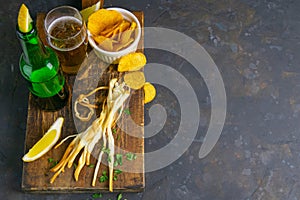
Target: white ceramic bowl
<point>109,56</point>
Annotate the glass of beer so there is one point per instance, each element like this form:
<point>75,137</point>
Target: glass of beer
<point>66,34</point>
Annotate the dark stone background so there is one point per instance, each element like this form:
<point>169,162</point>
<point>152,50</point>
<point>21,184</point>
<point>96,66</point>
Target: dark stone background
<point>256,48</point>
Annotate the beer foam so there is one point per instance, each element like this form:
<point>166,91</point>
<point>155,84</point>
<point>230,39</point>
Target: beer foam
<point>58,20</point>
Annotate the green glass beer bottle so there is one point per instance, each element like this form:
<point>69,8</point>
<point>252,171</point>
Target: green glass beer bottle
<point>40,66</point>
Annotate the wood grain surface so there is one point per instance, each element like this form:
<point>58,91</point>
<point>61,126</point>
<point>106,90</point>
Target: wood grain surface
<point>36,174</point>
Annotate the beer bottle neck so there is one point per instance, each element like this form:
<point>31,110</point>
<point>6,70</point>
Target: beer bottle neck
<point>34,52</point>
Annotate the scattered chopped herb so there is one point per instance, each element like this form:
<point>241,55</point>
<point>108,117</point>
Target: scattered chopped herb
<point>108,159</point>
<point>75,165</point>
<point>118,160</point>
<point>91,166</point>
<point>53,162</point>
<point>118,137</point>
<point>104,177</point>
<point>106,150</point>
<point>97,195</point>
<point>119,196</point>
<point>114,131</point>
<point>115,177</point>
<point>127,111</point>
<point>118,171</point>
<point>130,156</point>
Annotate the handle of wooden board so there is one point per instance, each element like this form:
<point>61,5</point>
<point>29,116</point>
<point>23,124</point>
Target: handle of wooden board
<point>88,3</point>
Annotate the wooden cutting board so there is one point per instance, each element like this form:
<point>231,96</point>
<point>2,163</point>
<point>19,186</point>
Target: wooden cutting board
<point>36,175</point>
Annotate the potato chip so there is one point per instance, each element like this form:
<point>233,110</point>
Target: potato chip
<point>111,25</point>
<point>132,62</point>
<point>135,80</point>
<point>99,39</point>
<point>149,92</point>
<point>132,26</point>
<point>124,25</point>
<point>109,34</point>
<point>121,46</point>
<point>109,31</point>
<point>125,37</point>
<point>116,33</point>
<point>103,19</point>
<point>107,44</point>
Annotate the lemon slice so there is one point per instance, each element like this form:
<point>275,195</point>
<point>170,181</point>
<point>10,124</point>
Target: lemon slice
<point>149,91</point>
<point>132,62</point>
<point>90,10</point>
<point>46,142</point>
<point>24,19</point>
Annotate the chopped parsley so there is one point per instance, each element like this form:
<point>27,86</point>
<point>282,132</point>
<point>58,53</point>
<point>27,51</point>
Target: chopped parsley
<point>53,162</point>
<point>118,160</point>
<point>97,195</point>
<point>127,111</point>
<point>108,159</point>
<point>119,196</point>
<point>91,166</point>
<point>116,173</point>
<point>106,150</point>
<point>104,177</point>
<point>118,137</point>
<point>130,156</point>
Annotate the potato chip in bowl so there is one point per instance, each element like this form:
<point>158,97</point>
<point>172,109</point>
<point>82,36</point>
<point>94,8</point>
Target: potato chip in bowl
<point>113,33</point>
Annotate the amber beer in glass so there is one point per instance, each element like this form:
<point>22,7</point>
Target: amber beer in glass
<point>66,34</point>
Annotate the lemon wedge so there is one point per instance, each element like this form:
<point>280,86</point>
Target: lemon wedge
<point>90,10</point>
<point>149,92</point>
<point>24,19</point>
<point>46,142</point>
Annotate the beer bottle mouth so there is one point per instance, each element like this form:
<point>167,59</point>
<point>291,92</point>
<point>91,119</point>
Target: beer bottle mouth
<point>26,35</point>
